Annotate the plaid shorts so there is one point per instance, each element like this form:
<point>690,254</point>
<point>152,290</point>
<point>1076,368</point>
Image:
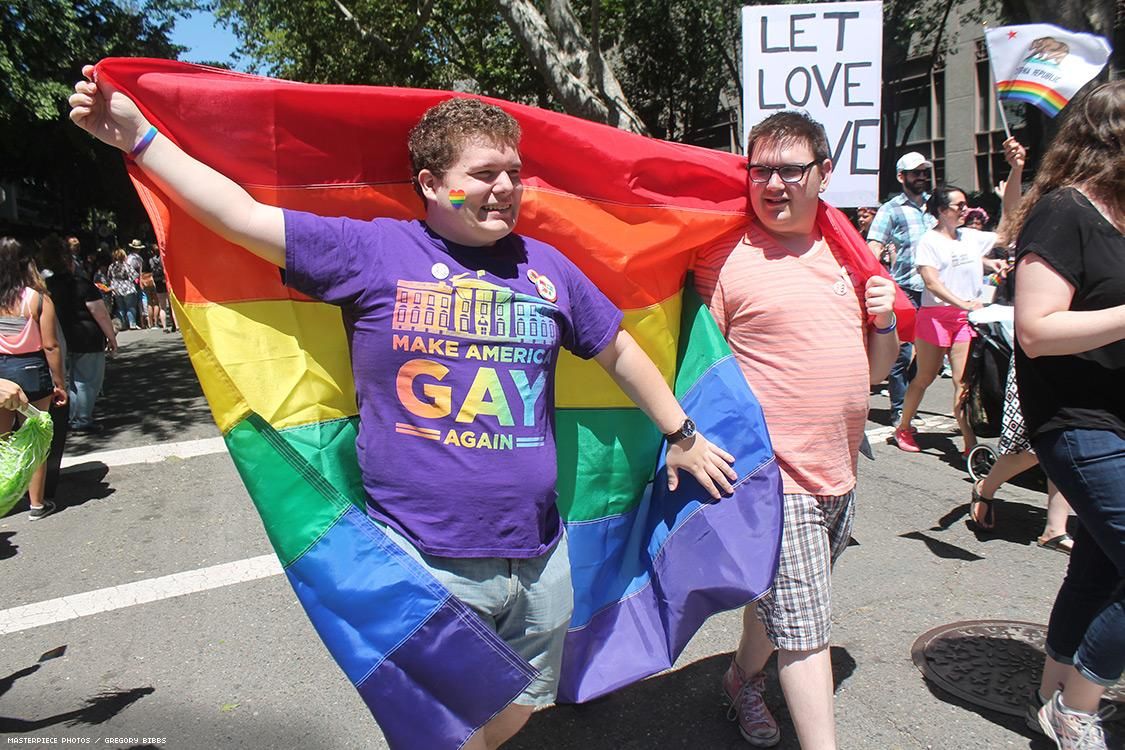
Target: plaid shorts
<point>797,613</point>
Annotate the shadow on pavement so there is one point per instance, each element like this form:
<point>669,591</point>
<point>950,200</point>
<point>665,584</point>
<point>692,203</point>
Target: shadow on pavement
<point>98,710</point>
<point>74,488</point>
<point>1016,522</point>
<point>942,549</point>
<point>952,517</point>
<point>7,547</point>
<point>150,389</point>
<point>7,682</point>
<point>683,708</point>
<point>80,487</point>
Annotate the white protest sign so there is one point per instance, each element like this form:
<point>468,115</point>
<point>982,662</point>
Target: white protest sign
<point>825,59</point>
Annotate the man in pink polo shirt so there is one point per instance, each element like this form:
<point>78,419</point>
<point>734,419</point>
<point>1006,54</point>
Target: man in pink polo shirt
<point>810,344</point>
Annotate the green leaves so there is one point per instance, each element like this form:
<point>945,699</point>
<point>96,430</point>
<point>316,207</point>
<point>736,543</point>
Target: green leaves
<point>43,44</point>
<point>676,59</point>
<point>445,44</point>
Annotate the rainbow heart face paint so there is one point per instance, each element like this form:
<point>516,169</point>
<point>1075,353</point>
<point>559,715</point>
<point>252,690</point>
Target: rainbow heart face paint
<point>476,201</point>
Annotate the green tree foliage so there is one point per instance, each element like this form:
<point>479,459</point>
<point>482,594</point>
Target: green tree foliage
<point>43,44</point>
<point>675,58</point>
<point>450,44</point>
<point>43,41</point>
<point>678,61</point>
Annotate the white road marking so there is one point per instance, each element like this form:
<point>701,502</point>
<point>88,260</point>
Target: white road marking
<point>139,592</point>
<point>145,454</point>
<point>165,587</point>
<point>151,454</point>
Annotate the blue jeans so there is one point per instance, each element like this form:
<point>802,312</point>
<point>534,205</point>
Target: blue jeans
<point>1087,627</point>
<point>87,371</point>
<point>904,368</point>
<point>125,309</point>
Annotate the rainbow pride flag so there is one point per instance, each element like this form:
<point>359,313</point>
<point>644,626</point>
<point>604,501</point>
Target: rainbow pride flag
<point>1043,65</point>
<point>648,566</point>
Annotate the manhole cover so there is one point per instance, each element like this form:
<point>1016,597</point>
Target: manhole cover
<point>990,663</point>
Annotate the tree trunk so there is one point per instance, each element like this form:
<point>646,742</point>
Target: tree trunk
<point>574,70</point>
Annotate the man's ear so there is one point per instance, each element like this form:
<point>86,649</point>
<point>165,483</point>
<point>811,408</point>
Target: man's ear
<point>428,183</point>
<point>825,174</point>
<point>900,178</point>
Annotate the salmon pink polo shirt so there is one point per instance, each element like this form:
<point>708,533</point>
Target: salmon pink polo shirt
<point>796,327</point>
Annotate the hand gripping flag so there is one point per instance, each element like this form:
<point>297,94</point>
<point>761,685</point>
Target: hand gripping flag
<point>1042,64</point>
<point>648,566</point>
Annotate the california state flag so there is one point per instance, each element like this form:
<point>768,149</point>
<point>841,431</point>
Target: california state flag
<point>1043,64</point>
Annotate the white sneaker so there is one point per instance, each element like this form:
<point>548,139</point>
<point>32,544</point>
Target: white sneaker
<point>1073,730</point>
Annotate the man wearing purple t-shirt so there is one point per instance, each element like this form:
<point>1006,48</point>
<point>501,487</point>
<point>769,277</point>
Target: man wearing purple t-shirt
<point>455,325</point>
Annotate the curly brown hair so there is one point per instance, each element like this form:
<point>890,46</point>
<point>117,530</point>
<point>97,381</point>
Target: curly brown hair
<point>1088,150</point>
<point>436,141</point>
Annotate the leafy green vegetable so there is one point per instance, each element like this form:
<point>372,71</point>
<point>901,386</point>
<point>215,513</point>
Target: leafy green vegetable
<point>21,453</point>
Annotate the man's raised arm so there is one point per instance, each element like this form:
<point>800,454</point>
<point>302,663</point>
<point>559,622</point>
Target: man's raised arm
<point>219,203</point>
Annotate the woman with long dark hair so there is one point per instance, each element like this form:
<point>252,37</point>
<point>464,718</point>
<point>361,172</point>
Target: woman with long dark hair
<point>1070,367</point>
<point>30,355</point>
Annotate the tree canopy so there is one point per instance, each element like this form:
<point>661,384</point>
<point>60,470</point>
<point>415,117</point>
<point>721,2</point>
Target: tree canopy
<point>669,68</point>
<point>57,174</point>
<point>657,66</point>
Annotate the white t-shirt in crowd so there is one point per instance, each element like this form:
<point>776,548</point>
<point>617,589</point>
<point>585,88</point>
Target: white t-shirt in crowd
<point>958,261</point>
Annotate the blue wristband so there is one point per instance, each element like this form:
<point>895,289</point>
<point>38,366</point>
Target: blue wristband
<point>891,327</point>
<point>142,144</point>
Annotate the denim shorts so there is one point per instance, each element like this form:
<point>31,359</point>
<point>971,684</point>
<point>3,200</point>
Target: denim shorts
<point>30,372</point>
<point>527,602</point>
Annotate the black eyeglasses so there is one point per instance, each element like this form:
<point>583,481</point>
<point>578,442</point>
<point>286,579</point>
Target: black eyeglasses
<point>919,172</point>
<point>789,173</point>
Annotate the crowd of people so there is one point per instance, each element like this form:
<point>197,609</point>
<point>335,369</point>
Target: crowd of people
<point>132,283</point>
<point>931,236</point>
<point>60,313</point>
<point>1064,401</point>
<point>787,265</point>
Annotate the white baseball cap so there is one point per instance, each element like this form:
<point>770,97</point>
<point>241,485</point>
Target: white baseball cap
<point>911,161</point>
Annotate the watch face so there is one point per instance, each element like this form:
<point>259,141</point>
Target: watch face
<point>688,430</point>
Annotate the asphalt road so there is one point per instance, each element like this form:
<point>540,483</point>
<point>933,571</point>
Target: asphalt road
<point>192,640</point>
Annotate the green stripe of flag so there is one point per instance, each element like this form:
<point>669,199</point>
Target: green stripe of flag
<point>606,456</point>
<point>296,509</point>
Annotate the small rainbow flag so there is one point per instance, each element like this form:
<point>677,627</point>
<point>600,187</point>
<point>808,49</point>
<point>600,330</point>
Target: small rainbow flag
<point>1043,65</point>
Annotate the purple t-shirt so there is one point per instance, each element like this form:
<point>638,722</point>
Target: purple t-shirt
<point>453,354</point>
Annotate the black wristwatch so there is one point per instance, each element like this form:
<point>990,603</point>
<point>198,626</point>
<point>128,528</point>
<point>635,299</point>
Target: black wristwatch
<point>687,430</point>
